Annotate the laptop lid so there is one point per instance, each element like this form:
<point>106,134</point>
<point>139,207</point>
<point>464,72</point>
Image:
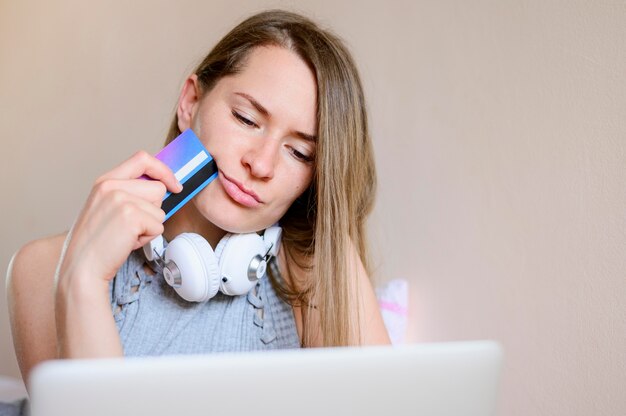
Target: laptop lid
<point>443,379</point>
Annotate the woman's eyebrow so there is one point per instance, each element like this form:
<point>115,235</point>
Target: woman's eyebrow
<point>308,137</point>
<point>255,103</point>
<point>265,113</point>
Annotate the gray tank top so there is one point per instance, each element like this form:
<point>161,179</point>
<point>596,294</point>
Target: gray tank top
<point>152,319</point>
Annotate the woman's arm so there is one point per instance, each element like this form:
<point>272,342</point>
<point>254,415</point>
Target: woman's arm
<point>59,287</point>
<point>48,321</point>
<point>122,213</point>
<point>30,296</point>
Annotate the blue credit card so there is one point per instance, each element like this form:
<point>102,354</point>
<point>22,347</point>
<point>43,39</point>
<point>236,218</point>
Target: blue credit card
<point>193,166</point>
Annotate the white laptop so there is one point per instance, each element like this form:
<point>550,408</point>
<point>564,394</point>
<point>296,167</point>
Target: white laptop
<point>446,379</point>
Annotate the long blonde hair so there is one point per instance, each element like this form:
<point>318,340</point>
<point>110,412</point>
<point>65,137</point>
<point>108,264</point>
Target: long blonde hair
<point>327,222</point>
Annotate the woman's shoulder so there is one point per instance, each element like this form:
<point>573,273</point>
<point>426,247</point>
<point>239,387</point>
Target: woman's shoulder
<point>34,258</point>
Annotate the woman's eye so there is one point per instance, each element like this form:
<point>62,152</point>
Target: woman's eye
<point>244,120</point>
<point>301,156</point>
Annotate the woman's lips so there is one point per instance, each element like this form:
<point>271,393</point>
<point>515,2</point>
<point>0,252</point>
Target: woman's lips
<point>238,192</point>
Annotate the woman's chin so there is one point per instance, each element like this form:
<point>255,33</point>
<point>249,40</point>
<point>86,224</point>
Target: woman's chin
<point>234,224</point>
<point>232,217</point>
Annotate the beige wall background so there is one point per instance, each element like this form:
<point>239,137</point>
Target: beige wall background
<point>500,132</point>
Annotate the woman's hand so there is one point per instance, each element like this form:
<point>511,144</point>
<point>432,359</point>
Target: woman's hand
<point>121,214</point>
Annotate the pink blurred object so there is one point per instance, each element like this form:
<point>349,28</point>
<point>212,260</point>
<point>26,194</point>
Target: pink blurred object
<point>393,299</point>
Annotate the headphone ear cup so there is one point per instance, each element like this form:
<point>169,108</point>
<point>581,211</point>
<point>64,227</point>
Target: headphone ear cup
<point>197,266</point>
<point>236,257</point>
<point>220,246</point>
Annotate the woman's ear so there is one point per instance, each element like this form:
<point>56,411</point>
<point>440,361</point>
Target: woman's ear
<point>188,102</point>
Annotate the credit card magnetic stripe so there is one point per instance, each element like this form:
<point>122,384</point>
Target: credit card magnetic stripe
<point>191,187</point>
<point>189,169</point>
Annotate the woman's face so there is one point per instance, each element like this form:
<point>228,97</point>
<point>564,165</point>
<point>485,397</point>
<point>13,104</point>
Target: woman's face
<point>259,125</point>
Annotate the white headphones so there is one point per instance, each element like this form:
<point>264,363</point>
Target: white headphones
<point>197,272</point>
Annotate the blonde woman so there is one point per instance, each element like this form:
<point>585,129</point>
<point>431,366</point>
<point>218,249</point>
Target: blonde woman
<point>279,105</point>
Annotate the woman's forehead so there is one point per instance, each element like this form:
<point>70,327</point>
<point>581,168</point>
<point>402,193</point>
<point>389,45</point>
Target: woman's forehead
<point>278,80</point>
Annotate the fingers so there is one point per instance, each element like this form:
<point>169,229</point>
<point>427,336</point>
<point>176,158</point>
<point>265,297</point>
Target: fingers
<point>149,211</point>
<point>151,191</point>
<point>144,239</point>
<point>142,163</point>
<point>140,218</point>
<point>151,223</point>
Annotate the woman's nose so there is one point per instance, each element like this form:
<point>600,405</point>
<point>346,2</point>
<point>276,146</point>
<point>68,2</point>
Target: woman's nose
<point>261,158</point>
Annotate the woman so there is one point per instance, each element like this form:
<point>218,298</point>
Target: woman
<point>279,105</point>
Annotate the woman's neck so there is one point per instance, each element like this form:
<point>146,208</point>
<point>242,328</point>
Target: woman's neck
<point>189,220</point>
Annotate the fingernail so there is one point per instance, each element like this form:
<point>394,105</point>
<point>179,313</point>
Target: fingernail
<point>180,186</point>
